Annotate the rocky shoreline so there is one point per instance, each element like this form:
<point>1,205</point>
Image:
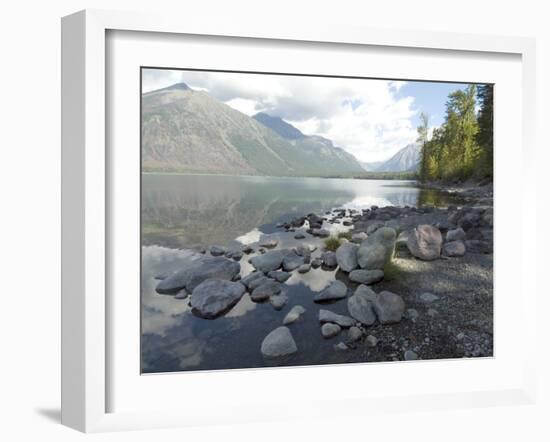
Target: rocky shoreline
<point>417,282</point>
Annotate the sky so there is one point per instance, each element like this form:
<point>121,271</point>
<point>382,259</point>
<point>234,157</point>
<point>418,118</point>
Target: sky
<point>370,118</point>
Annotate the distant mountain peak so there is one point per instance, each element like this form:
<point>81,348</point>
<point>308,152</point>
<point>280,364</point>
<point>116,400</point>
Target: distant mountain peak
<point>175,87</point>
<point>280,126</point>
<point>405,160</point>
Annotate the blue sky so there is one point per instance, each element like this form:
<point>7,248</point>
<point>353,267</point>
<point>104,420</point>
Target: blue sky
<point>429,98</point>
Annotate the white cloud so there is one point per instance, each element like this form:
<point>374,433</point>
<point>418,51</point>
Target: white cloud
<point>366,117</point>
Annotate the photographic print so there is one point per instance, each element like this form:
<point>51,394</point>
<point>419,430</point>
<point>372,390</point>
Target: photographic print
<point>292,220</point>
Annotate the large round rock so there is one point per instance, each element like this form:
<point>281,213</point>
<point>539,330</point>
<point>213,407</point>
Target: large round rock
<point>269,261</point>
<point>214,297</point>
<point>389,307</point>
<point>278,343</point>
<point>425,242</point>
<point>377,250</point>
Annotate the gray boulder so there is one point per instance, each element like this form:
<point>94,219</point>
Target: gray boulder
<point>329,330</point>
<point>299,236</point>
<point>265,291</point>
<point>252,285</point>
<point>337,290</point>
<point>304,268</point>
<point>354,334</point>
<point>252,277</point>
<point>377,250</point>
<point>360,306</point>
<point>346,256</point>
<point>197,271</point>
<point>410,355</point>
<point>294,314</point>
<point>454,248</point>
<point>425,242</point>
<point>329,259</point>
<point>328,316</point>
<point>366,276</point>
<point>278,343</point>
<point>371,341</point>
<point>269,261</point>
<point>214,297</point>
<point>291,260</point>
<point>455,235</point>
<point>389,307</point>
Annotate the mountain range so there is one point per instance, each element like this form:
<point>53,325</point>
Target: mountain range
<point>406,160</point>
<point>185,130</point>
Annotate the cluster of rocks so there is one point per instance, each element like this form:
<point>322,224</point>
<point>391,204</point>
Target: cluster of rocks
<point>215,286</point>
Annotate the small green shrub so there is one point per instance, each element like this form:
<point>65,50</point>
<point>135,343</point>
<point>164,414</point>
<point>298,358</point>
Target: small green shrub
<point>332,243</point>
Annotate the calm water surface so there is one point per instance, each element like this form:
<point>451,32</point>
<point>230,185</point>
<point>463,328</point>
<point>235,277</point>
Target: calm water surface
<point>183,212</point>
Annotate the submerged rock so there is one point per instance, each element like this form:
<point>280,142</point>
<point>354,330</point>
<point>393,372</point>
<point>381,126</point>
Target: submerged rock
<point>265,291</point>
<point>337,290</point>
<point>279,301</point>
<point>346,256</point>
<point>278,343</point>
<point>279,276</point>
<point>304,268</point>
<point>214,297</point>
<point>299,236</point>
<point>341,320</point>
<point>294,314</point>
<point>366,276</point>
<point>330,330</point>
<point>197,271</point>
<point>425,242</point>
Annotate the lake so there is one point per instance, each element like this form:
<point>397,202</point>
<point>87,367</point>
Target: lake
<point>182,213</point>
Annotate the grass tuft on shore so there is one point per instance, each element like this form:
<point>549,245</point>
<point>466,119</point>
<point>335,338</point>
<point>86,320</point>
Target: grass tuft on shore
<point>332,243</point>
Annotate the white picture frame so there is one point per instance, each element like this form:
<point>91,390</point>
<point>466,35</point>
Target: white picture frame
<point>86,210</point>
